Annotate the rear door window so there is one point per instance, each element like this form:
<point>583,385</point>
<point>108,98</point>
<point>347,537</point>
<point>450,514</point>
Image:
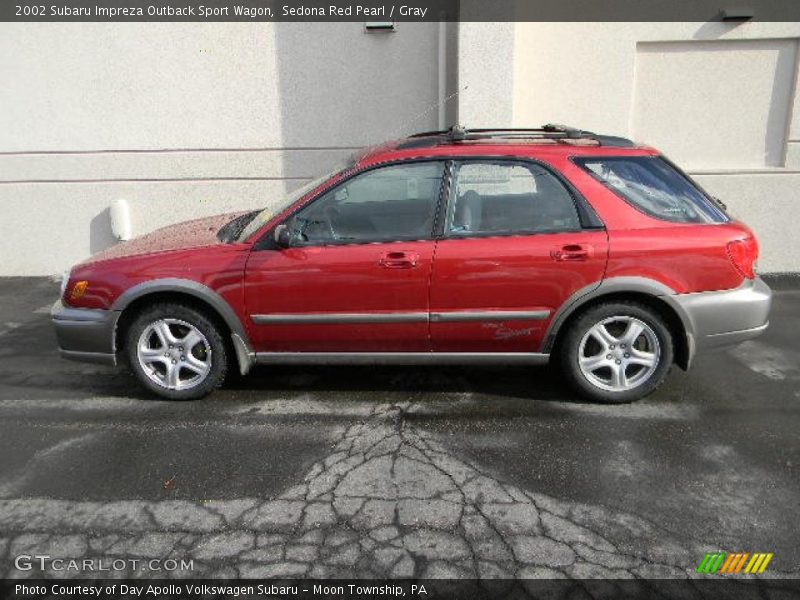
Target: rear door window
<point>508,198</point>
<point>653,186</point>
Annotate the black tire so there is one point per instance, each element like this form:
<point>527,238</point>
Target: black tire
<point>217,357</point>
<point>570,347</point>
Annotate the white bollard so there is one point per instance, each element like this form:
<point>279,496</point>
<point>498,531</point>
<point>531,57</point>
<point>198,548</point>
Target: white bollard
<point>120,216</point>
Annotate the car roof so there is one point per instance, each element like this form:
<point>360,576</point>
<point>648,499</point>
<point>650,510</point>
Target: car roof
<point>549,140</point>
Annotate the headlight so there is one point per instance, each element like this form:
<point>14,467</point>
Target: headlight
<point>65,281</point>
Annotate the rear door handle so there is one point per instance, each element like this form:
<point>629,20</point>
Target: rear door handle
<point>398,260</point>
<point>572,252</point>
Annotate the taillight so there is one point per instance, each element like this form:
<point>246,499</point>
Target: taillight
<point>743,255</point>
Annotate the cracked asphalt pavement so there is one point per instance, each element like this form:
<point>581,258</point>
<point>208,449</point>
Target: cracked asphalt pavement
<point>399,472</point>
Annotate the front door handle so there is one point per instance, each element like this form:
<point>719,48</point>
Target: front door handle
<point>572,252</point>
<point>398,260</point>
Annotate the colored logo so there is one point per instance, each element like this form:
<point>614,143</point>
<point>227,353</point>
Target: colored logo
<point>724,563</point>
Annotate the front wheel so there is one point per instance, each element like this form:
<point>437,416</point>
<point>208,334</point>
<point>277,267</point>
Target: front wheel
<point>176,352</point>
<point>617,352</point>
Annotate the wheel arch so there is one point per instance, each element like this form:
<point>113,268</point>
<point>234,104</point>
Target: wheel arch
<point>651,293</point>
<point>191,293</point>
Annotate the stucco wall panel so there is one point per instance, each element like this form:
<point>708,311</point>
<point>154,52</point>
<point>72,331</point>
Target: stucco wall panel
<point>185,120</point>
<point>45,238</point>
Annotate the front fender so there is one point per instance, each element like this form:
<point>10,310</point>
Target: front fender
<point>241,341</point>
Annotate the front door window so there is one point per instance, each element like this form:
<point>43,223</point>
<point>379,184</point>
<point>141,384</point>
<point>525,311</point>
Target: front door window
<point>386,204</point>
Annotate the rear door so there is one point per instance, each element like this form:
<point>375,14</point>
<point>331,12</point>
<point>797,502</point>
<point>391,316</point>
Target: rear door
<point>514,247</point>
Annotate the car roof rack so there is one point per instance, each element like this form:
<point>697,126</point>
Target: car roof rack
<point>551,131</point>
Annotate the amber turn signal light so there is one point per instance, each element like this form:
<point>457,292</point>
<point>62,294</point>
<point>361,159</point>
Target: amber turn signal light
<point>78,289</point>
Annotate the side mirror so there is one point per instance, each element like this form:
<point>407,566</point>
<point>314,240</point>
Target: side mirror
<point>282,236</point>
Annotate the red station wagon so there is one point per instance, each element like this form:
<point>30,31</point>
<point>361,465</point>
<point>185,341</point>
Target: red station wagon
<point>451,247</point>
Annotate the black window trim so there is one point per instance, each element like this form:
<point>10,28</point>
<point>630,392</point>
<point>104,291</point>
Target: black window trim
<point>444,201</point>
<point>587,217</point>
<point>578,159</point>
<point>267,241</point>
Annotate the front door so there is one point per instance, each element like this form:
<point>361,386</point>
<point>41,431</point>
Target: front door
<point>513,250</point>
<point>355,277</point>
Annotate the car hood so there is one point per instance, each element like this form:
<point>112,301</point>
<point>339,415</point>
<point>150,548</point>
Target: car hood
<point>189,234</point>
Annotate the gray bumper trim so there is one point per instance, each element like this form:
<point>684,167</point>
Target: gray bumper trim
<point>85,334</point>
<point>725,318</point>
<point>729,338</point>
<point>90,357</point>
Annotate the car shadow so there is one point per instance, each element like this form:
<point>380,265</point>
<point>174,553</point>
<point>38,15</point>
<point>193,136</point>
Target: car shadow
<point>439,382</point>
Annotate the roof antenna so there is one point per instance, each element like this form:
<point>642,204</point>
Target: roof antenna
<point>399,130</point>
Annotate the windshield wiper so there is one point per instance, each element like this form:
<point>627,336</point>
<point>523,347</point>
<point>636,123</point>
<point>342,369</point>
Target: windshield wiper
<point>231,230</point>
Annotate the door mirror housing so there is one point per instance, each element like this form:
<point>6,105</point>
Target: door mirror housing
<point>282,236</point>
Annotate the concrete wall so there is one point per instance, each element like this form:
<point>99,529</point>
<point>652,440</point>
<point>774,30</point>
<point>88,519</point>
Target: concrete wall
<point>187,120</point>
<point>485,74</point>
<point>720,99</point>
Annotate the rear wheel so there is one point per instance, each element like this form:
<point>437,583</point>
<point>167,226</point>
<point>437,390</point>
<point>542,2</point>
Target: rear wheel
<point>617,352</point>
<point>176,352</point>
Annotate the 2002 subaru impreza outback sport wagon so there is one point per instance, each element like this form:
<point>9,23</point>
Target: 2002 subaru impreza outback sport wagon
<point>457,247</point>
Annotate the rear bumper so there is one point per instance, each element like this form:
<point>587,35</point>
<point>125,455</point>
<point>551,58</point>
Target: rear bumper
<point>85,334</point>
<point>725,318</point>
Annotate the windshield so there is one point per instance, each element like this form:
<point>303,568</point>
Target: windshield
<point>270,211</point>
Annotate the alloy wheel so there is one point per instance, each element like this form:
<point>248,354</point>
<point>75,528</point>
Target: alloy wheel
<point>174,354</point>
<point>619,353</point>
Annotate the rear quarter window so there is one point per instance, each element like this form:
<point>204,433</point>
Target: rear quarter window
<point>653,186</point>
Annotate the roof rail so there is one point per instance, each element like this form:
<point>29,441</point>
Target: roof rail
<point>570,132</point>
<point>550,131</point>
